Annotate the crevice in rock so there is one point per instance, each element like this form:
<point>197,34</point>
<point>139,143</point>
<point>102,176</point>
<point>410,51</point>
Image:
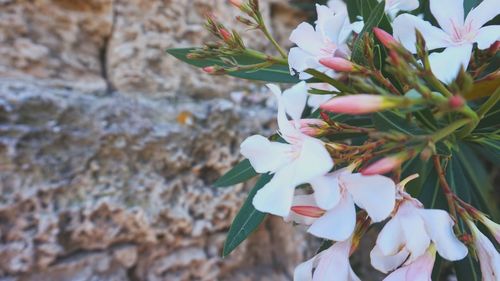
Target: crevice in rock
<point>103,52</point>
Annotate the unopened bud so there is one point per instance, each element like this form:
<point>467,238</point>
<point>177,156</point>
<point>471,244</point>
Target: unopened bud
<point>226,35</point>
<point>456,102</point>
<point>214,70</point>
<point>312,127</point>
<point>359,104</point>
<point>308,211</point>
<point>384,165</point>
<point>385,38</point>
<point>236,3</point>
<point>338,64</point>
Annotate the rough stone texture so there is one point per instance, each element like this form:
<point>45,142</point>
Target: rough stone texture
<point>108,147</point>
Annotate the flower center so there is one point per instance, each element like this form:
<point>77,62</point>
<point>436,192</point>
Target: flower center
<point>329,48</point>
<point>462,33</point>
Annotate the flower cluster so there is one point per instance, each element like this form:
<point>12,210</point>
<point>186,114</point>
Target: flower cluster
<point>337,176</point>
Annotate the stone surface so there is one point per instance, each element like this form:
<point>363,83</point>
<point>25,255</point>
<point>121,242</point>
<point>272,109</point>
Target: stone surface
<point>109,148</point>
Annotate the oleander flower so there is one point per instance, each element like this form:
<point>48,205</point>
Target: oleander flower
<point>489,258</point>
<point>418,270</point>
<point>299,160</point>
<point>327,39</point>
<point>333,214</point>
<point>332,264</point>
<point>409,233</point>
<point>456,35</point>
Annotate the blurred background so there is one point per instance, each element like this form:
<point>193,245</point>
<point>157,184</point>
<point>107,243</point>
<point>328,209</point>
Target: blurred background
<point>109,147</point>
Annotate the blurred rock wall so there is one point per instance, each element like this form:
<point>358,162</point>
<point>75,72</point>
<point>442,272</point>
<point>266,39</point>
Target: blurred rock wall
<point>108,147</point>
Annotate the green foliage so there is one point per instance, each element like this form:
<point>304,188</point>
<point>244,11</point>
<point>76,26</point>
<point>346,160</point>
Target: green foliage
<point>243,171</point>
<point>247,219</point>
<point>275,73</point>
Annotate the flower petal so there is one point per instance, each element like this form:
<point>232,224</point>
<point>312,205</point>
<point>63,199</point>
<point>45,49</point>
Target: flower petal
<point>385,263</point>
<point>334,263</point>
<point>448,13</point>
<point>277,195</point>
<point>487,36</point>
<point>326,191</point>
<point>295,100</point>
<point>314,161</point>
<point>338,223</point>
<point>483,13</point>
<point>439,225</point>
<point>391,238</point>
<point>297,59</point>
<point>417,239</point>
<point>307,38</point>
<point>288,131</point>
<point>404,31</point>
<point>331,25</point>
<point>304,271</point>
<point>446,65</point>
<point>264,155</point>
<point>376,194</point>
<point>403,5</point>
<point>399,275</point>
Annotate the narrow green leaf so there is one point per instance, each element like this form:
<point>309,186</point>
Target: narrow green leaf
<point>467,269</point>
<point>353,10</point>
<point>247,219</point>
<point>375,18</point>
<point>391,121</point>
<point>489,148</point>
<point>274,73</point>
<point>243,171</point>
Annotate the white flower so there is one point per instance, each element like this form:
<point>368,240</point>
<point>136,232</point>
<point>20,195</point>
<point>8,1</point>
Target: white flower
<point>315,101</point>
<point>409,234</point>
<point>293,163</point>
<point>489,258</point>
<point>392,7</point>
<point>457,35</point>
<point>338,192</point>
<point>327,39</point>
<point>332,264</point>
<point>418,270</point>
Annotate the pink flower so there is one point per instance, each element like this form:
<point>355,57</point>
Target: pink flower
<point>332,264</point>
<point>418,270</point>
<point>489,258</point>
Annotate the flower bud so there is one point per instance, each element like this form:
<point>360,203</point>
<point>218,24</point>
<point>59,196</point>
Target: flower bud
<point>236,3</point>
<point>312,127</point>
<point>226,35</point>
<point>359,104</point>
<point>338,64</point>
<point>383,166</point>
<point>209,69</point>
<point>456,102</point>
<point>308,211</point>
<point>385,38</point>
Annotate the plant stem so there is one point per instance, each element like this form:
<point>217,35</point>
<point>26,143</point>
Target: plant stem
<point>450,196</point>
<point>262,56</point>
<point>489,104</point>
<point>467,111</point>
<point>450,129</point>
<point>327,79</point>
<point>273,41</point>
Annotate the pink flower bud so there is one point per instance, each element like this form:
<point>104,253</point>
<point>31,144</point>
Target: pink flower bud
<point>384,37</point>
<point>383,166</point>
<point>358,104</point>
<point>493,227</point>
<point>308,211</point>
<point>312,127</point>
<point>209,69</point>
<point>456,102</point>
<point>236,3</point>
<point>338,64</point>
<point>226,35</point>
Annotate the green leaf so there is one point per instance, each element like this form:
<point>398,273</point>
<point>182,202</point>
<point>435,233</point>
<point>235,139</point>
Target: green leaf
<point>491,118</point>
<point>247,219</point>
<point>275,73</point>
<point>489,147</point>
<point>243,171</point>
<point>477,180</point>
<point>391,121</point>
<point>353,10</point>
<point>375,18</point>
